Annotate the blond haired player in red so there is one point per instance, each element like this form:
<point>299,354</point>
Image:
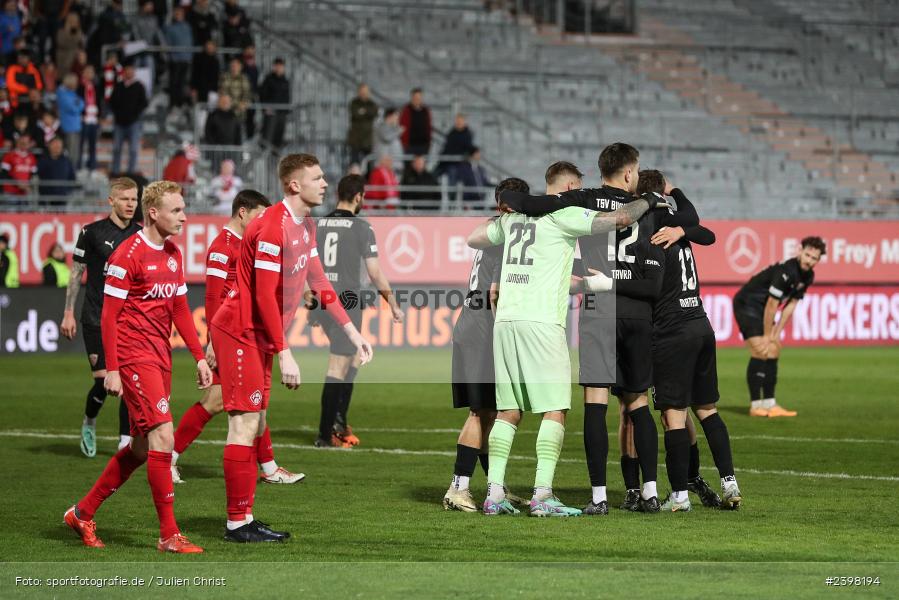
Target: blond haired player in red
<point>145,293</point>
<point>221,276</point>
<point>277,256</point>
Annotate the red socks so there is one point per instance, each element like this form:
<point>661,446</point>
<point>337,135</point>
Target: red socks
<point>190,427</point>
<point>117,471</point>
<point>159,476</point>
<point>240,480</point>
<point>264,452</point>
<point>253,461</point>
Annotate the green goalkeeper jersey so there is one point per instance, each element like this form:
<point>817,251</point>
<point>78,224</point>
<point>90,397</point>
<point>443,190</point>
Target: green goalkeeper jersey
<point>538,253</point>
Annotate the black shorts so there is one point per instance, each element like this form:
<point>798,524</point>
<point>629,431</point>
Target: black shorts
<point>93,345</point>
<point>685,369</point>
<point>473,376</point>
<point>340,343</point>
<point>596,352</point>
<point>633,349</point>
<point>750,322</point>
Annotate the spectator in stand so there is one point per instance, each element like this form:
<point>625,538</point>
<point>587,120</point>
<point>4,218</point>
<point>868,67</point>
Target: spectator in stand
<point>85,15</point>
<point>178,34</point>
<point>49,75</point>
<point>112,74</point>
<point>56,271</point>
<point>128,103</point>
<point>18,166</point>
<point>71,107</point>
<point>360,136</point>
<point>236,30</point>
<point>146,29</point>
<point>235,84</point>
<point>417,174</point>
<point>18,44</point>
<point>459,141</point>
<point>251,70</point>
<point>203,22</point>
<point>10,26</point>
<point>222,129</point>
<point>388,134</point>
<point>46,18</point>
<point>180,168</point>
<point>112,27</point>
<point>69,41</point>
<point>48,124</point>
<point>416,122</point>
<point>54,166</point>
<point>383,179</point>
<point>79,63</point>
<point>204,77</point>
<point>471,174</point>
<point>9,264</point>
<point>90,124</point>
<point>224,187</point>
<point>5,106</point>
<point>22,77</point>
<point>275,89</point>
<point>35,105</point>
<point>19,126</point>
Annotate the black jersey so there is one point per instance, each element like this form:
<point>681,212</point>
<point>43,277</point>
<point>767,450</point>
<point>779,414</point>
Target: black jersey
<point>95,243</point>
<point>679,300</point>
<point>475,322</point>
<point>626,255</point>
<point>344,242</point>
<point>782,281</point>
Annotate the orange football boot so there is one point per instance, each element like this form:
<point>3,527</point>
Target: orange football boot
<point>179,544</point>
<point>779,411</point>
<point>86,529</point>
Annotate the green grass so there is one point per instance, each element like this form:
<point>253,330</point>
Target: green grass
<point>819,489</point>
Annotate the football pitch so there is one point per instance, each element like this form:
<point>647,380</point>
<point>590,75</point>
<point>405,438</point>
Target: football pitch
<point>820,495</point>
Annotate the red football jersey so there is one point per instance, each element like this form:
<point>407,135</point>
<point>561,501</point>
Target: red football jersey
<point>277,255</point>
<point>221,269</point>
<point>147,277</point>
<point>20,166</point>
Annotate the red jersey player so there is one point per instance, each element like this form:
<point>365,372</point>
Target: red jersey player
<point>277,256</point>
<point>221,275</point>
<point>145,293</point>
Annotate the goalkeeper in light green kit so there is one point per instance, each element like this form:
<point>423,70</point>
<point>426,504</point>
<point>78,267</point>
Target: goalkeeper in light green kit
<point>530,351</point>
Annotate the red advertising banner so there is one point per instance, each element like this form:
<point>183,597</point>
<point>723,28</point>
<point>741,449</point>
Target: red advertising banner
<point>433,250</point>
<point>828,315</point>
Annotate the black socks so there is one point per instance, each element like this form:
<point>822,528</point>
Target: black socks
<point>596,442</point>
<point>646,440</point>
<point>756,376</point>
<point>677,458</point>
<point>770,377</point>
<point>719,443</point>
<point>331,393</point>
<point>96,396</point>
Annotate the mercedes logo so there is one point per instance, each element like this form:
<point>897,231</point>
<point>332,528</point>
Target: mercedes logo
<point>404,248</point>
<point>744,250</point>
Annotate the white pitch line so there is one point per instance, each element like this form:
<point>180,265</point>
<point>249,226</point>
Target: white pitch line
<point>759,437</point>
<point>405,452</point>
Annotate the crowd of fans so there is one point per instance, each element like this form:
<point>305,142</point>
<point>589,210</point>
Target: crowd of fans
<point>392,147</point>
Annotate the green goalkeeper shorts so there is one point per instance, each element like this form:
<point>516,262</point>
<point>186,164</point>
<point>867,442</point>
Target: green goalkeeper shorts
<point>533,371</point>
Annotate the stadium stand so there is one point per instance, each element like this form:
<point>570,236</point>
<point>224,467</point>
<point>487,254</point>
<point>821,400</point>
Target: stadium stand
<point>766,107</point>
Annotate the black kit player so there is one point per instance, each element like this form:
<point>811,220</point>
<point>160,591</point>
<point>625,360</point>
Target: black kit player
<point>472,369</point>
<point>94,246</point>
<point>778,287</point>
<point>346,243</point>
<point>635,278</point>
<point>685,373</point>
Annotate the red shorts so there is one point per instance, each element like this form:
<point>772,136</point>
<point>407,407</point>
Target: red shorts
<point>147,392</point>
<point>216,380</point>
<point>245,373</point>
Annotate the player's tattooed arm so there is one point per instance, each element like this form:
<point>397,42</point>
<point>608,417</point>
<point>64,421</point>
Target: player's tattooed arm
<point>69,326</point>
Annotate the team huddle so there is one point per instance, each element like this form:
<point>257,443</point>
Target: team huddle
<point>641,326</point>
